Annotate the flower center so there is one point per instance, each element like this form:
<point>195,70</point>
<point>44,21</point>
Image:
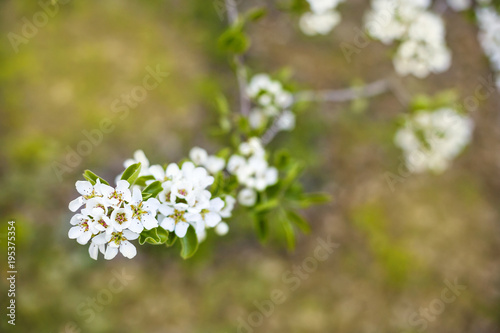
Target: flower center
<point>121,218</point>
<point>178,216</point>
<point>117,237</point>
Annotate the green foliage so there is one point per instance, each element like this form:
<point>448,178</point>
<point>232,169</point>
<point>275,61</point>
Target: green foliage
<point>189,243</point>
<point>234,40</point>
<point>92,177</point>
<point>152,190</point>
<point>155,236</point>
<point>132,173</point>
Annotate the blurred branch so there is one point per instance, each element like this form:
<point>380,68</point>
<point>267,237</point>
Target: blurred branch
<point>241,74</point>
<point>378,87</point>
<point>271,132</point>
<point>342,95</point>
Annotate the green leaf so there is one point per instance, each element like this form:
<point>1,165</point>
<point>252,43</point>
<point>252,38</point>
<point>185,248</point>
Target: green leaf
<point>222,104</point>
<point>234,40</point>
<point>261,227</point>
<point>267,206</point>
<point>217,186</point>
<point>132,173</point>
<point>92,177</point>
<point>289,234</point>
<point>141,181</point>
<point>295,171</point>
<point>172,237</point>
<point>309,199</point>
<point>255,14</point>
<point>299,221</point>
<point>152,190</point>
<point>189,243</point>
<point>282,159</point>
<point>155,236</point>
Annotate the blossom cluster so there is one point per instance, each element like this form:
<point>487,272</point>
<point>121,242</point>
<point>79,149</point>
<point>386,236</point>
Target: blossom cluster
<point>489,36</point>
<point>252,170</point>
<point>459,5</point>
<point>271,100</point>
<point>112,217</point>
<point>420,34</point>
<point>322,18</point>
<point>430,140</point>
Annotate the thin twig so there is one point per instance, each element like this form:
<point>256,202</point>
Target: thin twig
<point>342,95</point>
<point>241,73</point>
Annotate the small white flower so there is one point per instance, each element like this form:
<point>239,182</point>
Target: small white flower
<point>214,164</point>
<point>177,220</point>
<point>121,218</point>
<point>83,229</point>
<point>115,196</point>
<point>87,192</point>
<point>221,229</point>
<point>118,240</point>
<point>319,23</point>
<point>228,206</point>
<point>144,212</point>
<point>257,118</point>
<point>247,197</point>
<point>198,155</point>
<point>286,121</point>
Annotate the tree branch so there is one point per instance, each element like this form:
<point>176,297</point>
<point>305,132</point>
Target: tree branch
<point>241,74</point>
<point>342,95</point>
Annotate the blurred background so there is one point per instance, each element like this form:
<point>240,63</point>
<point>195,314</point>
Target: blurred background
<point>397,246</point>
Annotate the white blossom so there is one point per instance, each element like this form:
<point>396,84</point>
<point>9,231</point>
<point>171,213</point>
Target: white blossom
<point>421,35</point>
<point>459,5</point>
<point>247,197</point>
<point>312,23</point>
<point>252,169</point>
<point>431,140</point>
<point>489,36</point>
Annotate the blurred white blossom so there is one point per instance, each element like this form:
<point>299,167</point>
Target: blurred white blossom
<point>430,140</point>
<point>421,35</point>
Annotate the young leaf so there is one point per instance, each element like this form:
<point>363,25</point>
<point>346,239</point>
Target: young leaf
<point>260,227</point>
<point>255,14</point>
<point>234,40</point>
<point>152,190</point>
<point>141,181</point>
<point>155,236</point>
<point>299,221</point>
<point>132,173</point>
<point>189,243</point>
<point>309,199</point>
<point>267,206</point>
<point>172,237</point>
<point>92,177</point>
<point>289,234</point>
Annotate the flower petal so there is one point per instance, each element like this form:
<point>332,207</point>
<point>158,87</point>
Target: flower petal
<point>84,187</point>
<point>128,249</point>
<point>93,251</point>
<point>75,232</point>
<point>111,252</point>
<point>130,235</point>
<point>181,229</point>
<point>75,204</point>
<point>100,239</point>
<point>211,219</point>
<point>168,224</point>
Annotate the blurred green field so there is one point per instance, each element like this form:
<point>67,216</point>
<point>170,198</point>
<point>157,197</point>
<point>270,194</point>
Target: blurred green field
<point>397,246</point>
